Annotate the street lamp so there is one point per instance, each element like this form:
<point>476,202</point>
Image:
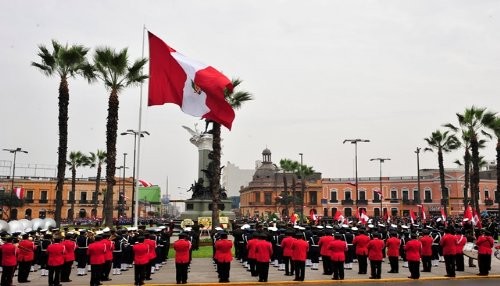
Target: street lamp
<point>122,193</point>
<point>418,175</point>
<point>302,189</point>
<point>355,142</point>
<point>14,151</point>
<point>135,199</point>
<point>380,160</point>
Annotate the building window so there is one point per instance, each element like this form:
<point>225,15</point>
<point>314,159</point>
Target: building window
<point>333,197</point>
<point>394,194</point>
<point>376,212</point>
<point>83,196</point>
<point>43,196</point>
<point>334,211</point>
<point>362,195</point>
<point>313,198</point>
<point>71,196</point>
<point>267,198</point>
<point>325,212</point>
<point>428,196</point>
<point>486,194</point>
<point>405,195</point>
<point>347,212</point>
<point>29,197</point>
<point>416,195</point>
<point>377,196</point>
<point>347,195</point>
<point>94,196</point>
<point>257,197</point>
<point>394,212</point>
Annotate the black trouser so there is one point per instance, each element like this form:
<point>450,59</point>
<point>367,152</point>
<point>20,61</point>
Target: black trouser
<point>95,274</point>
<point>338,270</point>
<point>263,271</point>
<point>449,261</point>
<point>427,263</point>
<point>414,267</point>
<point>66,271</point>
<point>253,269</point>
<point>394,262</point>
<point>223,269</point>
<point>117,259</point>
<point>7,275</point>
<point>362,264</point>
<point>327,265</point>
<point>106,268</point>
<point>289,266</point>
<point>181,272</point>
<point>139,273</point>
<point>54,275</point>
<point>459,262</point>
<point>23,271</point>
<point>484,263</point>
<point>300,270</point>
<point>376,269</point>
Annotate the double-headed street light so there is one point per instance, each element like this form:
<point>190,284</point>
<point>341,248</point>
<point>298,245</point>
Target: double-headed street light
<point>14,151</point>
<point>380,160</point>
<point>355,142</point>
<point>135,199</point>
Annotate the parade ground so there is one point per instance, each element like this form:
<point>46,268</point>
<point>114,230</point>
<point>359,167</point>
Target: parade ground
<point>202,272</point>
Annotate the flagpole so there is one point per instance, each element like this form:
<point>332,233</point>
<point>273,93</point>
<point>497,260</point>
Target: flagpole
<point>136,207</point>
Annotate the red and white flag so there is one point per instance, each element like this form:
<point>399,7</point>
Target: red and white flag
<point>422,211</point>
<point>197,88</point>
<point>443,215</point>
<point>387,217</point>
<point>19,192</point>
<point>476,220</point>
<point>293,218</point>
<point>313,215</point>
<point>339,216</point>
<point>363,218</point>
<point>145,183</point>
<point>468,213</point>
<point>379,192</point>
<point>412,217</point>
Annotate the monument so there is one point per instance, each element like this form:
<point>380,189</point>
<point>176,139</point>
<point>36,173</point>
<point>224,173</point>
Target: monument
<point>200,203</point>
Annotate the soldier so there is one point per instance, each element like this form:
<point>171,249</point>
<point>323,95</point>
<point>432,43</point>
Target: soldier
<point>151,241</point>
<point>459,251</point>
<point>9,261</point>
<point>337,249</point>
<point>299,249</point>
<point>436,246</point>
<point>314,249</point>
<point>55,261</point>
<point>426,242</point>
<point>25,258</point>
<point>360,242</point>
<point>393,245</point>
<point>323,243</point>
<point>108,263</point>
<point>286,245</point>
<point>46,241</point>
<point>182,248</point>
<point>375,247</point>
<point>412,250</point>
<point>252,254</point>
<point>448,244</point>
<point>351,250</point>
<point>262,257</point>
<point>119,245</point>
<point>82,243</point>
<point>223,257</point>
<point>69,257</point>
<point>484,249</point>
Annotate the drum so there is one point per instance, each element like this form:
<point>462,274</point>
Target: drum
<point>470,250</point>
<point>497,253</point>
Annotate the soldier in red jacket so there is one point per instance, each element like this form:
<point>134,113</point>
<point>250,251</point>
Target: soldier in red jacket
<point>300,247</point>
<point>393,244</point>
<point>449,245</point>
<point>96,252</point>
<point>55,261</point>
<point>426,241</point>
<point>223,256</point>
<point>263,256</point>
<point>108,256</point>
<point>459,251</point>
<point>323,243</point>
<point>484,249</point>
<point>151,242</point>
<point>252,253</point>
<point>361,243</point>
<point>413,250</point>
<point>182,248</point>
<point>9,261</point>
<point>375,248</point>
<point>69,257</point>
<point>337,249</point>
<point>286,245</point>
<point>25,257</point>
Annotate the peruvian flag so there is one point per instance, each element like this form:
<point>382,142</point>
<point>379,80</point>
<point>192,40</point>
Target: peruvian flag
<point>145,183</point>
<point>293,218</point>
<point>468,213</point>
<point>362,216</point>
<point>422,210</point>
<point>387,217</point>
<point>476,220</point>
<point>313,215</point>
<point>412,217</point>
<point>443,215</point>
<point>379,192</point>
<point>197,88</point>
<point>19,192</point>
<point>338,216</point>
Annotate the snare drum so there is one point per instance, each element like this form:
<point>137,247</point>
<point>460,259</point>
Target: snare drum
<point>470,251</point>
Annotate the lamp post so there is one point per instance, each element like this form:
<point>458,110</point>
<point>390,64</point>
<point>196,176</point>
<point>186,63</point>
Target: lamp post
<point>380,160</point>
<point>418,175</point>
<point>302,189</point>
<point>135,198</point>
<point>122,193</point>
<point>355,142</point>
<point>14,151</point>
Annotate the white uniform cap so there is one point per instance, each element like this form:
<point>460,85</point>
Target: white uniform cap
<point>99,232</point>
<point>106,229</point>
<point>439,219</point>
<point>319,227</point>
<point>296,226</point>
<point>329,226</point>
<point>162,227</point>
<point>405,227</point>
<point>301,228</point>
<point>354,228</point>
<point>345,226</point>
<point>394,226</point>
<point>381,225</point>
<point>272,228</point>
<point>466,219</point>
<point>371,226</point>
<point>218,228</point>
<point>187,228</point>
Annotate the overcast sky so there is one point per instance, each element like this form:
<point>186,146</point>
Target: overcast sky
<point>320,72</point>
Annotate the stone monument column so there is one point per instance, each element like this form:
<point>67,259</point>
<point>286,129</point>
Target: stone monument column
<point>204,143</point>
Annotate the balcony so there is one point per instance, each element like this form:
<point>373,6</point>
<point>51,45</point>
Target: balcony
<point>394,200</point>
<point>28,200</point>
<point>363,202</point>
<point>84,202</point>
<point>334,201</point>
<point>407,202</point>
<point>71,201</point>
<point>427,200</point>
<point>488,202</point>
<point>43,201</point>
<point>347,202</point>
<point>377,201</point>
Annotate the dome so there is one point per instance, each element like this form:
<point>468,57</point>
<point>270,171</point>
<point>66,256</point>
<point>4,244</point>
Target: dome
<point>266,152</point>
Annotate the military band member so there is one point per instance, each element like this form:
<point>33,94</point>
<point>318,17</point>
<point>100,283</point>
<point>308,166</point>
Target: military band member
<point>375,248</point>
<point>96,252</point>
<point>119,245</point>
<point>413,255</point>
<point>323,243</point>
<point>484,249</point>
<point>25,258</point>
<point>9,261</point>
<point>69,257</point>
<point>82,244</point>
<point>182,249</point>
<point>393,245</point>
<point>426,241</point>
<point>55,261</point>
<point>459,251</point>
<point>223,256</point>
<point>286,245</point>
<point>300,248</point>
<point>337,249</point>
<point>360,242</point>
<point>46,241</point>
<point>436,239</point>
<point>108,256</point>
<point>449,244</point>
<point>151,242</point>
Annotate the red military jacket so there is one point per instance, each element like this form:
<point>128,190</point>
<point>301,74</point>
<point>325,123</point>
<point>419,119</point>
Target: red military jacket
<point>337,249</point>
<point>141,253</point>
<point>323,243</point>
<point>286,245</point>
<point>299,250</point>
<point>448,244</point>
<point>182,247</point>
<point>55,254</point>
<point>264,250</point>
<point>152,246</point>
<point>70,246</point>
<point>375,248</point>
<point>110,246</point>
<point>9,251</point>
<point>97,251</point>
<point>393,244</point>
<point>426,242</point>
<point>223,250</point>
<point>361,243</point>
<point>252,248</point>
<point>413,250</point>
<point>484,244</point>
<point>26,250</point>
<point>461,241</point>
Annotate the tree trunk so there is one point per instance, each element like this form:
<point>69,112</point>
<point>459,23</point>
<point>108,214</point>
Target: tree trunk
<point>444,192</point>
<point>498,174</point>
<point>111,133</point>
<point>474,179</point>
<point>285,194</point>
<point>214,169</point>
<point>466,178</point>
<point>73,189</point>
<point>293,195</point>
<point>97,186</point>
<point>63,146</point>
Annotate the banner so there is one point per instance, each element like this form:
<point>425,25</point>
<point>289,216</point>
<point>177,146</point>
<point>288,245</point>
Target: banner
<point>149,194</point>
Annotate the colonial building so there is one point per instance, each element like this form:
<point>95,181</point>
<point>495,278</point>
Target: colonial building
<point>40,198</point>
<point>400,195</point>
<point>266,196</point>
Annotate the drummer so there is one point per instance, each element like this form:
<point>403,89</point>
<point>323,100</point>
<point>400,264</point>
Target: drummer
<point>484,245</point>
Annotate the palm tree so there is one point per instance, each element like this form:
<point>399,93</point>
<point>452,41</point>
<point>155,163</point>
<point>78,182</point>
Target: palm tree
<point>475,120</point>
<point>235,99</point>
<point>95,161</point>
<point>115,72</point>
<point>65,62</point>
<point>495,127</point>
<point>288,165</point>
<point>442,142</point>
<point>76,159</point>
